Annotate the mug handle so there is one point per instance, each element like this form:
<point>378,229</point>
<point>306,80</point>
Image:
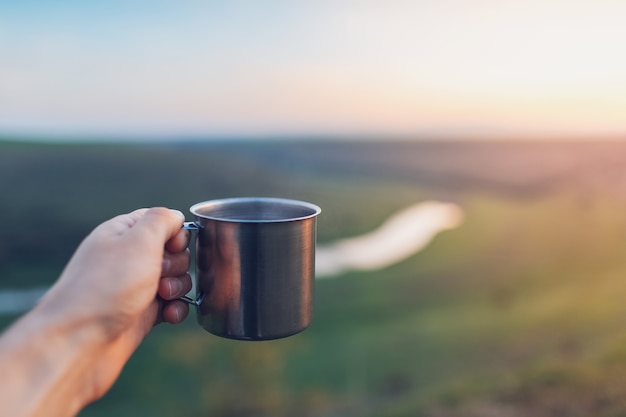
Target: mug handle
<point>189,300</point>
<point>191,226</point>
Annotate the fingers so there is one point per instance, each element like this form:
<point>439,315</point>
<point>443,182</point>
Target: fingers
<point>178,242</point>
<point>160,224</point>
<point>175,264</point>
<point>172,288</point>
<point>176,281</point>
<point>172,312</point>
<point>175,311</point>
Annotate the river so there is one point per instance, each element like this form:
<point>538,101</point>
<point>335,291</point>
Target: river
<point>401,236</point>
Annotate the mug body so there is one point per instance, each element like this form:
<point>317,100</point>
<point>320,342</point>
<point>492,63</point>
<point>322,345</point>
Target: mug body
<point>255,266</point>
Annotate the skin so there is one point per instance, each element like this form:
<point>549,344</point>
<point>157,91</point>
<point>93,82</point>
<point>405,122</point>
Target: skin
<point>123,279</point>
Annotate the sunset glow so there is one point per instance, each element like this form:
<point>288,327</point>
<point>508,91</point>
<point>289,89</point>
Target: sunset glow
<point>451,68</point>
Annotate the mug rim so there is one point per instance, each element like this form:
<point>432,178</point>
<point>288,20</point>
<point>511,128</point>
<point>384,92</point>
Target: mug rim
<point>316,210</point>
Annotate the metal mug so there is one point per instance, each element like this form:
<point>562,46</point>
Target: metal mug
<point>255,266</point>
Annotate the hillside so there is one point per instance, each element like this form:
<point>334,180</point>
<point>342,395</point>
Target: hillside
<point>517,312</point>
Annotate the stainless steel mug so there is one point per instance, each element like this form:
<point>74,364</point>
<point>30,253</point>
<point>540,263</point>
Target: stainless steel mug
<point>255,266</point>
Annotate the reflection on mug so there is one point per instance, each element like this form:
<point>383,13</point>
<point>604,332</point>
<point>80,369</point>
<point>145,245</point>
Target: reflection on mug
<point>218,283</point>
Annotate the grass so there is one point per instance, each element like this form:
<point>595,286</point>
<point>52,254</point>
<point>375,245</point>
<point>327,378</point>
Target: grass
<point>517,312</point>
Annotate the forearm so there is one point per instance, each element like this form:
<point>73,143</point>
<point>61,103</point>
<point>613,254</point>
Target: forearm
<point>45,361</point>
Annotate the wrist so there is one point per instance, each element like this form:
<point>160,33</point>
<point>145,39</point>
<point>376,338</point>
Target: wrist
<point>49,358</point>
<point>73,314</point>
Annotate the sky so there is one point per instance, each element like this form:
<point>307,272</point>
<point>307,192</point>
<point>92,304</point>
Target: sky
<point>354,68</point>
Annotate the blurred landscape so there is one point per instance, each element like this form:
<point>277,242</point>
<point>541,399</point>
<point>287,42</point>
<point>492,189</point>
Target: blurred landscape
<point>518,312</point>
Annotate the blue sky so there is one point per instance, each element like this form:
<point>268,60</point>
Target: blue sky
<point>205,68</point>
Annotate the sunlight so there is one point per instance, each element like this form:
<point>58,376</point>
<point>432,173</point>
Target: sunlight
<point>482,69</point>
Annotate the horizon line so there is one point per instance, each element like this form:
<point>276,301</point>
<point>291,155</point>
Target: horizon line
<point>168,138</point>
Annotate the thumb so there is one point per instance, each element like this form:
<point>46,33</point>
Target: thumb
<point>159,224</point>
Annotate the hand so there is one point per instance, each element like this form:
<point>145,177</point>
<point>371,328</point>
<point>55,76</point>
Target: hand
<point>124,278</point>
<point>115,271</point>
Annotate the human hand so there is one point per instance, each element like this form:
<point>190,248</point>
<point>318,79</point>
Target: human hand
<point>125,277</point>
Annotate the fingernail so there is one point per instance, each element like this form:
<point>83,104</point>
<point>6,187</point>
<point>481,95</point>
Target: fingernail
<point>176,287</point>
<point>179,315</point>
<point>165,265</point>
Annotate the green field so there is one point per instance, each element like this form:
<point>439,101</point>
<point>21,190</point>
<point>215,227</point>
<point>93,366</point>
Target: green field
<point>518,312</point>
